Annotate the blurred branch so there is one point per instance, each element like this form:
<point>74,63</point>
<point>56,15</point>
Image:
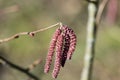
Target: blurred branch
<point>100,11</point>
<point>14,66</point>
<point>34,64</point>
<point>27,33</point>
<point>95,14</point>
<point>91,39</point>
<point>10,9</point>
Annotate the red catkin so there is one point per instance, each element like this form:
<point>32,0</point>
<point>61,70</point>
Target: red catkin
<point>57,63</point>
<point>63,44</point>
<point>65,50</point>
<point>51,50</point>
<point>73,41</point>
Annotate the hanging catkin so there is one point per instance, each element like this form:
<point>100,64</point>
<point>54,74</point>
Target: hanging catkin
<point>51,50</point>
<point>63,44</point>
<point>58,58</point>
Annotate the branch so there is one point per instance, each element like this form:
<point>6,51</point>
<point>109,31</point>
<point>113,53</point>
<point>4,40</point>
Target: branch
<point>94,18</point>
<point>25,71</point>
<point>100,11</point>
<point>91,39</point>
<point>30,67</point>
<point>27,33</point>
<point>34,64</point>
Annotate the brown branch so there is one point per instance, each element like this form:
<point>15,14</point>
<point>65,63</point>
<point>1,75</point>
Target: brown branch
<point>27,33</point>
<point>100,11</point>
<point>14,66</point>
<point>34,64</point>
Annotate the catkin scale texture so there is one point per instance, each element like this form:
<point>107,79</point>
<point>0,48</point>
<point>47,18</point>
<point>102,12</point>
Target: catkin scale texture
<point>73,41</point>
<point>58,58</point>
<point>65,49</point>
<point>51,50</point>
<point>68,31</point>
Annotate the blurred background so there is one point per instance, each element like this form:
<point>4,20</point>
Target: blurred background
<point>29,15</point>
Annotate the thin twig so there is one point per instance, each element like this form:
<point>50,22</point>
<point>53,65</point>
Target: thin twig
<point>25,71</point>
<point>100,10</point>
<point>27,33</point>
<point>34,64</point>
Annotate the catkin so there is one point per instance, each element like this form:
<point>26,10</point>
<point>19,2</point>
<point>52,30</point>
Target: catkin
<point>51,50</point>
<point>57,63</point>
<point>63,44</point>
<point>73,41</point>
